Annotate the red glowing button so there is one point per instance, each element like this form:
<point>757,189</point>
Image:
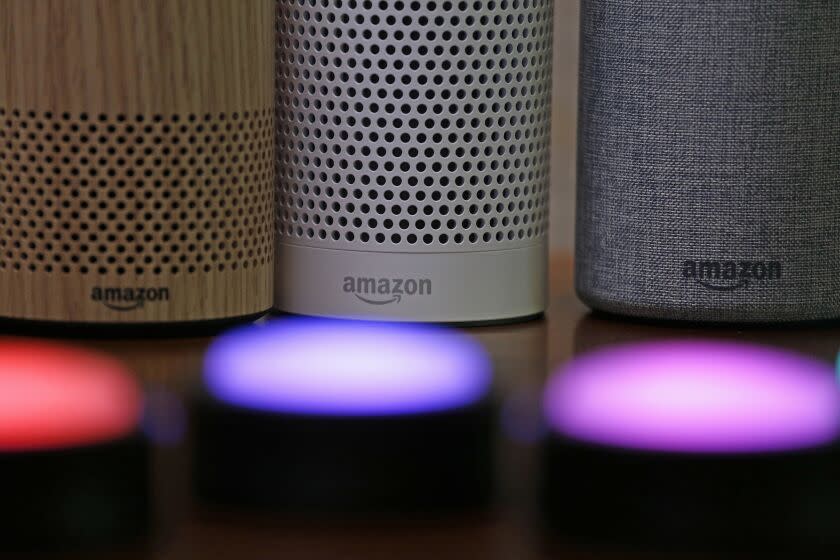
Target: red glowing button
<point>54,396</point>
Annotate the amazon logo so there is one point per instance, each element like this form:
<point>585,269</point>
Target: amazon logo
<point>128,299</point>
<point>385,291</point>
<point>730,276</point>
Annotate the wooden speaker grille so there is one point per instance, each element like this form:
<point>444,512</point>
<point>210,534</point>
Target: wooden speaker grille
<point>136,194</point>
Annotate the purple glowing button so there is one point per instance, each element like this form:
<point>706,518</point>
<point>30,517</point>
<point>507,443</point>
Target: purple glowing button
<point>696,397</point>
<point>337,368</point>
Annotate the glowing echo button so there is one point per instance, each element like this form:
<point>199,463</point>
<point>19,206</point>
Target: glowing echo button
<point>696,397</point>
<point>54,396</point>
<point>346,368</point>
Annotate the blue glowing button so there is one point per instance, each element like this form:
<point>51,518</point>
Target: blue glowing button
<point>338,368</point>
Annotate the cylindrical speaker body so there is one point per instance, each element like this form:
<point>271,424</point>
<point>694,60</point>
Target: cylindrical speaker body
<point>709,159</point>
<point>413,158</point>
<point>136,160</point>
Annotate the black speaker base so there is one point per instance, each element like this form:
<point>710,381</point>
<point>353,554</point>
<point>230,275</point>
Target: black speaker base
<point>80,498</point>
<point>766,503</point>
<point>80,330</point>
<point>323,466</point>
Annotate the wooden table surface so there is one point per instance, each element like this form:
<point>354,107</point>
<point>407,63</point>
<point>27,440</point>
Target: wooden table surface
<point>523,354</point>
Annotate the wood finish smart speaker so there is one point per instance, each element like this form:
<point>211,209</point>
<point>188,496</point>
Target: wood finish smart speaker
<point>413,159</point>
<point>136,160</point>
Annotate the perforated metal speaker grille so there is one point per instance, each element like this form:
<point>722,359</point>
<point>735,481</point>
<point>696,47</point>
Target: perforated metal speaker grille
<point>413,126</point>
<point>135,194</point>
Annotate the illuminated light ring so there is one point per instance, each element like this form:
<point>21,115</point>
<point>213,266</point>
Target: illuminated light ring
<point>54,396</point>
<point>336,368</point>
<point>696,397</point>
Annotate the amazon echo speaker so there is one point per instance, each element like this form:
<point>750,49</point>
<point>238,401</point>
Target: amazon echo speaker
<point>73,453</point>
<point>709,159</point>
<point>413,158</point>
<point>394,419</point>
<point>693,446</point>
<point>136,160</point>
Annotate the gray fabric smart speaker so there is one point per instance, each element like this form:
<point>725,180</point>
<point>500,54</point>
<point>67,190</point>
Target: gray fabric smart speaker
<point>709,159</point>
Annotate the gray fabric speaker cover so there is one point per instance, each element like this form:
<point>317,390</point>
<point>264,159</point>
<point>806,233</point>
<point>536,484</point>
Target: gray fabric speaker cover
<point>709,159</point>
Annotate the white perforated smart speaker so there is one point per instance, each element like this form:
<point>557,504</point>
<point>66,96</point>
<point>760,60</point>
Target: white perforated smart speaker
<point>413,158</point>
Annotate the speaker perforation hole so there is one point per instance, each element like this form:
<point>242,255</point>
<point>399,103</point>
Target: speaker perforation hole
<point>80,187</point>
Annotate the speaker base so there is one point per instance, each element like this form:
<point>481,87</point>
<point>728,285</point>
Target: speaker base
<point>344,465</point>
<point>71,329</point>
<point>692,313</point>
<point>743,504</point>
<point>455,324</point>
<point>462,288</point>
<point>77,499</point>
